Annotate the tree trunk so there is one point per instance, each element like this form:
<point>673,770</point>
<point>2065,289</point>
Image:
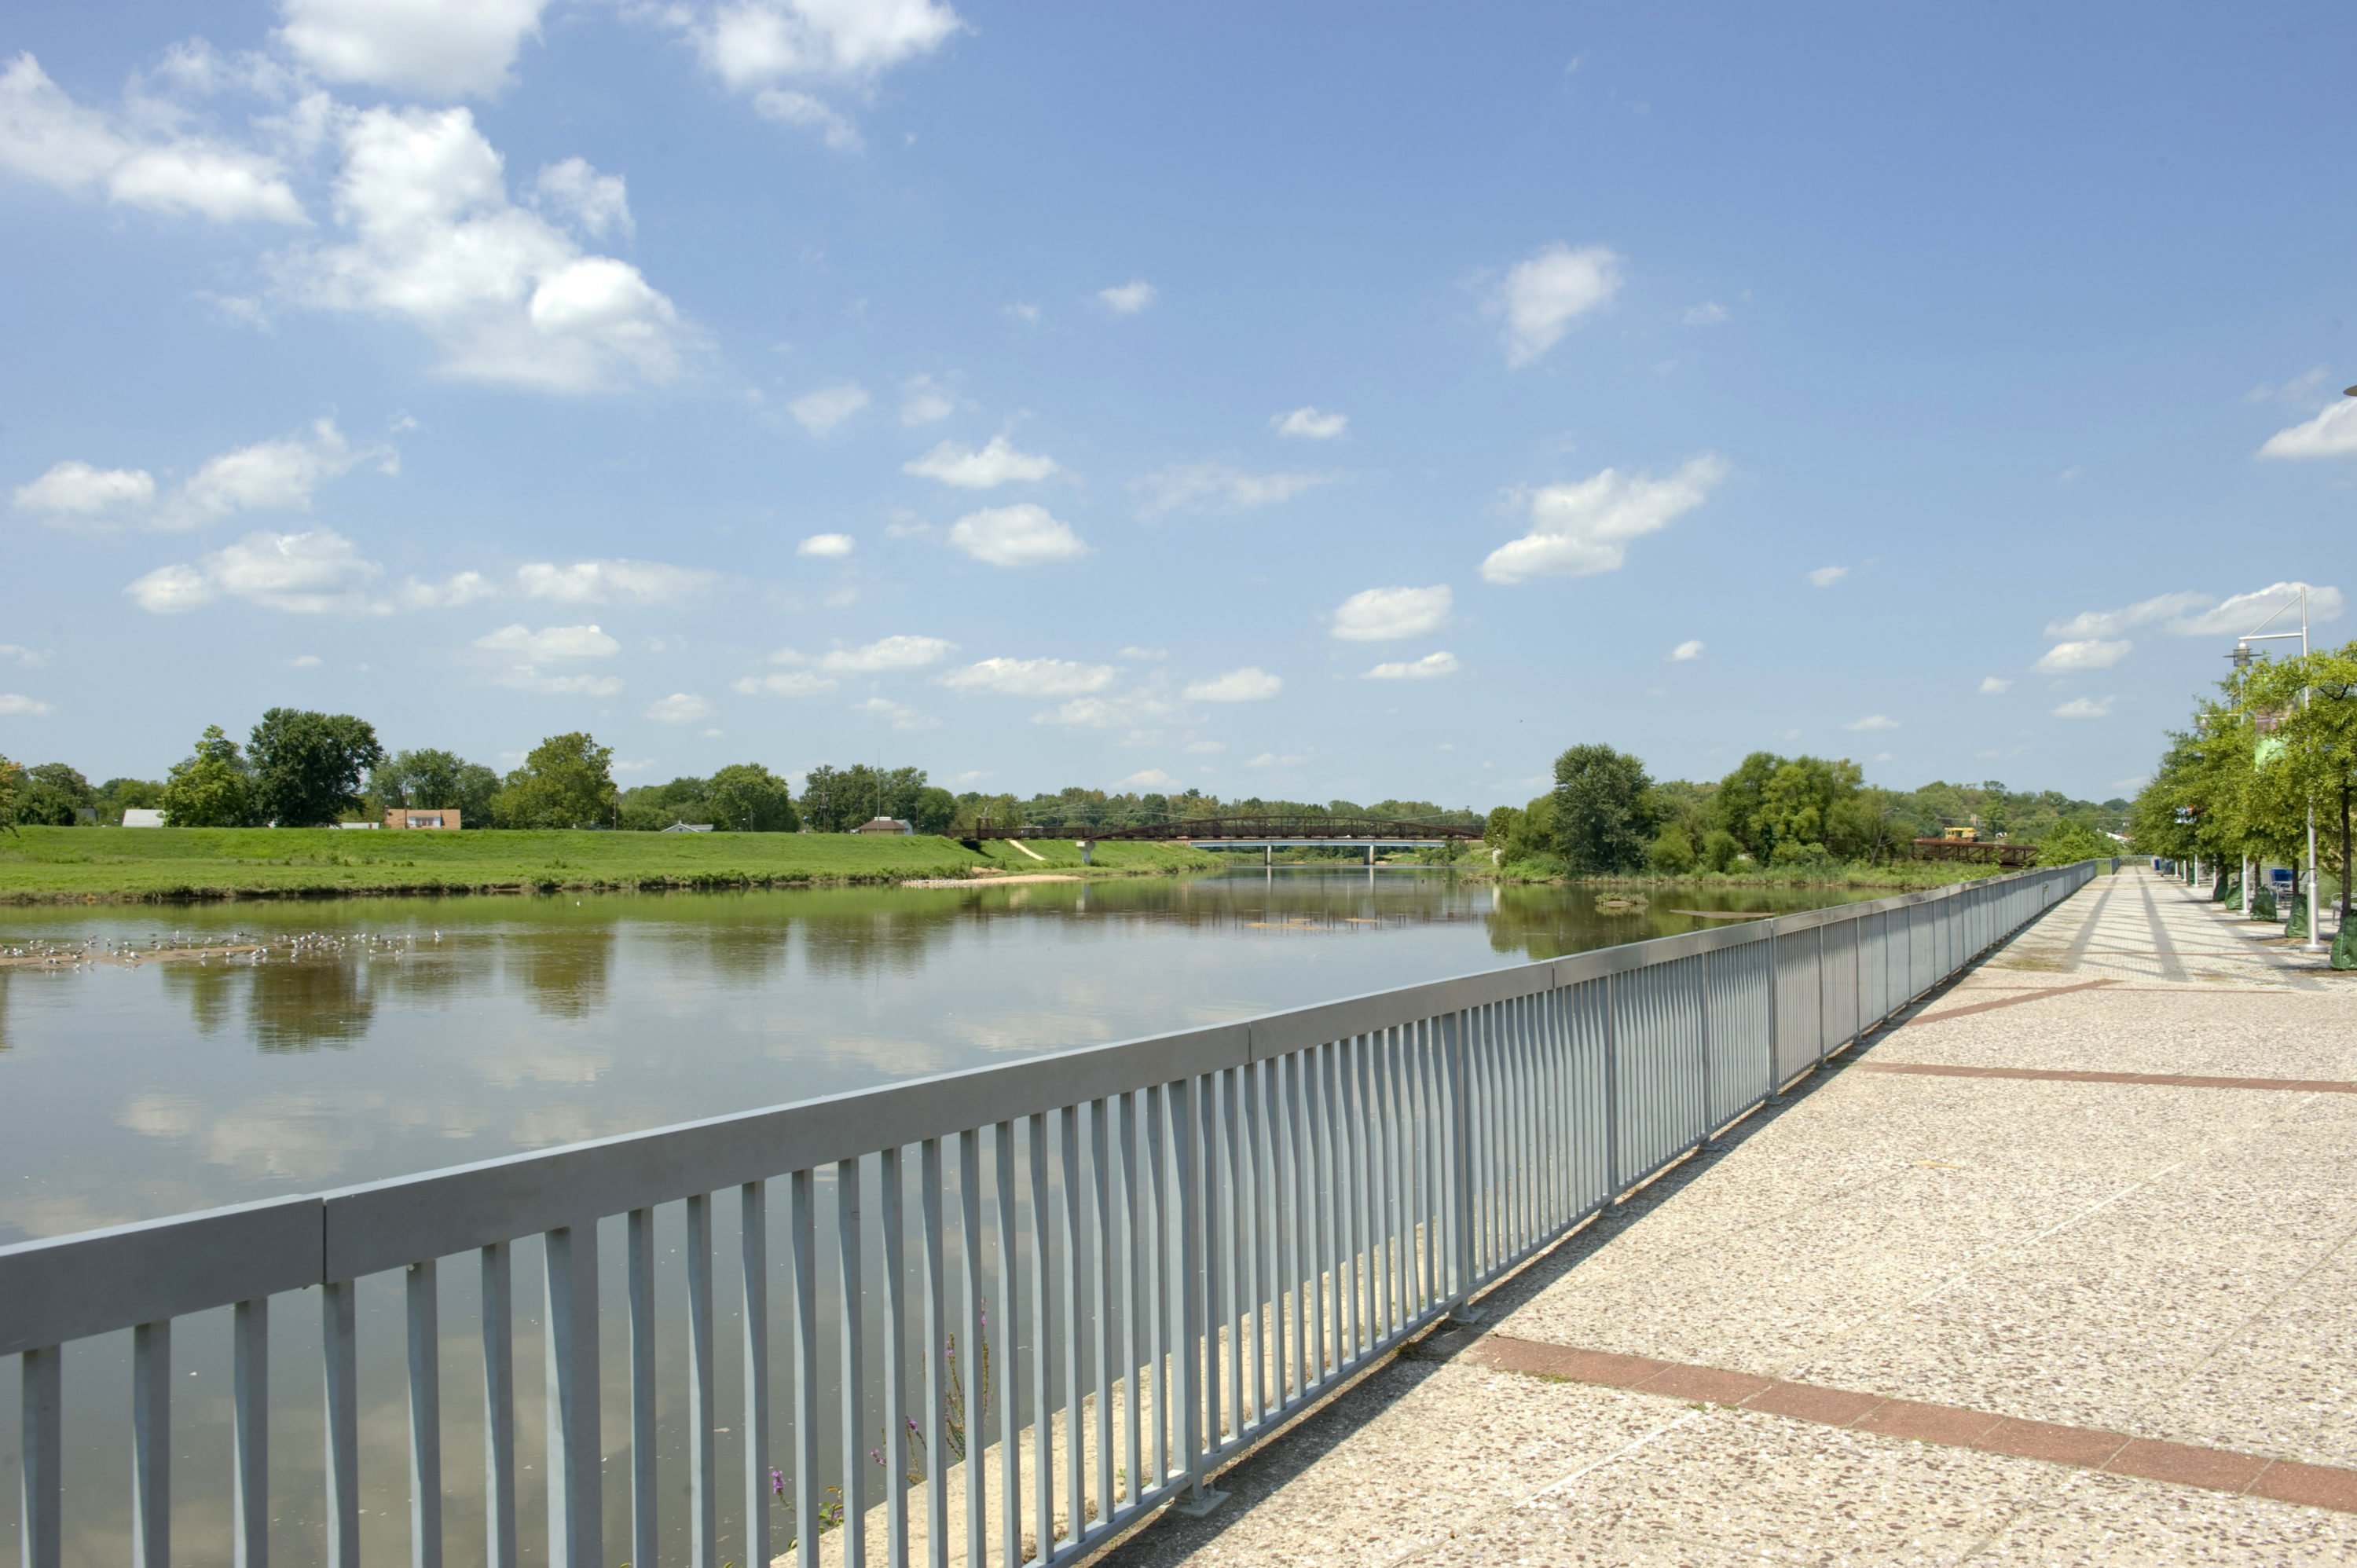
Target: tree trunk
<point>2345,847</point>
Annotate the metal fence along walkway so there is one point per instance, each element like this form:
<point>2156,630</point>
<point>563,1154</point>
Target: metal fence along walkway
<point>1020,1306</point>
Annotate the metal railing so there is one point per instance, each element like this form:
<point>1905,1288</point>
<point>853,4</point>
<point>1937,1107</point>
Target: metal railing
<point>1173,1245</point>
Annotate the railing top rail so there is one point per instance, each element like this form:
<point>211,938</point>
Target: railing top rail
<point>73,1287</point>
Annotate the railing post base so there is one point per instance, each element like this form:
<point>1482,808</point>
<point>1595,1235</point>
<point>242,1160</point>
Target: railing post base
<point>1465,1314</point>
<point>1199,1500</point>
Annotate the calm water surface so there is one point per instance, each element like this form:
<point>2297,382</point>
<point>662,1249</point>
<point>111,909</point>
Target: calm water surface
<point>380,1037</point>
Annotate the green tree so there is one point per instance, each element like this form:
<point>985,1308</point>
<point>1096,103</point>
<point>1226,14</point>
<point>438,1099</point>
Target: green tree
<point>1602,821</point>
<point>307,766</point>
<point>12,787</point>
<point>1673,851</point>
<point>1865,825</point>
<point>746,797</point>
<point>433,781</point>
<point>2074,841</point>
<point>1734,804</point>
<point>118,795</point>
<point>211,787</point>
<point>2317,697</point>
<point>53,795</point>
<point>1796,805</point>
<point>565,782</point>
<point>1719,849</point>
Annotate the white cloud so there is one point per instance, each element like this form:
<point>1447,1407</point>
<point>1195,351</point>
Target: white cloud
<point>15,704</point>
<point>1128,299</point>
<point>1994,686</point>
<point>1031,677</point>
<point>2331,434</point>
<point>923,402</point>
<point>2235,616</point>
<point>615,581</point>
<point>1542,295</point>
<point>30,658</point>
<point>1249,684</point>
<point>1144,654</point>
<point>464,588</point>
<point>1385,614</point>
<point>2200,615</point>
<point>828,546</point>
<point>785,683</point>
<point>2086,708</point>
<point>47,136</point>
<point>902,652</point>
<point>1022,535</point>
<point>1021,310</point>
<point>1206,747</point>
<point>1147,778</point>
<point>1685,652</point>
<point>821,410</point>
<point>792,106</point>
<point>77,490</point>
<point>1871,724</point>
<point>441,49</point>
<point>2111,623</point>
<point>1308,424</point>
<point>594,202</point>
<point>680,708</point>
<point>317,572</point>
<point>1826,576</point>
<point>1431,667</point>
<point>968,469</point>
<point>525,678</point>
<point>273,476</point>
<point>508,296</point>
<point>1580,529</point>
<point>901,716</point>
<point>550,642</point>
<point>758,46</point>
<point>1212,487</point>
<point>304,661</point>
<point>2091,653</point>
<point>1709,313</point>
<point>1271,760</point>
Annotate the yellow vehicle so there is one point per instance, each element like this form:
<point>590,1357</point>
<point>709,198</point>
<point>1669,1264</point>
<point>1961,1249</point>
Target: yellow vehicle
<point>1961,835</point>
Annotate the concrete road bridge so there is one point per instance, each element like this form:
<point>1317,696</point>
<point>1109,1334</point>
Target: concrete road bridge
<point>1265,833</point>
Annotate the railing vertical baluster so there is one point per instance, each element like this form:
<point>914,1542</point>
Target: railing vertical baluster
<point>848,1229</point>
<point>576,1520</point>
<point>973,1392</point>
<point>40,1472</point>
<point>340,1378</point>
<point>1286,1090</point>
<point>424,1311</point>
<point>1317,1184</point>
<point>894,1260</point>
<point>1516,1077</point>
<point>1157,1286</point>
<point>1369,1077</point>
<point>1460,1184</point>
<point>1260,1281</point>
<point>801,1247</point>
<point>1430,1203</point>
<point>1189,1204</point>
<point>703,1455</point>
<point>1230,1214</point>
<point>1099,1155</point>
<point>1068,1170</point>
<point>1402,1196</point>
<point>1339,1127</point>
<point>1133,1375</point>
<point>498,1408</point>
<point>1010,1473</point>
<point>638,1242</point>
<point>936,1313</point>
<point>1043,1334</point>
<point>1205,1279</point>
<point>250,1434</point>
<point>151,1445</point>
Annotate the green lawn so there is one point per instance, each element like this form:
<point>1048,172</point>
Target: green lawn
<point>45,864</point>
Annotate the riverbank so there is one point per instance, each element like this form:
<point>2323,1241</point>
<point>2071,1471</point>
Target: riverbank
<point>52,865</point>
<point>1899,877</point>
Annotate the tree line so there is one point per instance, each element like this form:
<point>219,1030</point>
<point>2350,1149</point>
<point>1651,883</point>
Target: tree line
<point>299,768</point>
<point>1606,817</point>
<point>2278,742</point>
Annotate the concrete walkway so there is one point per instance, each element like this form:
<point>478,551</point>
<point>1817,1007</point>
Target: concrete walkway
<point>2040,1277</point>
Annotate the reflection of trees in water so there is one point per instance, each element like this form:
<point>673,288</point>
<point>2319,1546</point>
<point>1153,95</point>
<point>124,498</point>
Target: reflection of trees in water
<point>299,1004</point>
<point>565,971</point>
<point>432,971</point>
<point>742,952</point>
<point>1549,922</point>
<point>209,990</point>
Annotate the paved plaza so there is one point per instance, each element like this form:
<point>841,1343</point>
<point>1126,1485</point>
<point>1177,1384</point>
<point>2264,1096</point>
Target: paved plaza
<point>2059,1270</point>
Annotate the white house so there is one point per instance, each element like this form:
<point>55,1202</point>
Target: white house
<point>141,817</point>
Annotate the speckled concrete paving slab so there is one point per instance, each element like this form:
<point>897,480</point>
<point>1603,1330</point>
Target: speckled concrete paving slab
<point>2177,1263</point>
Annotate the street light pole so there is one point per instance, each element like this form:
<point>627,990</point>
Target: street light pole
<point>2242,657</point>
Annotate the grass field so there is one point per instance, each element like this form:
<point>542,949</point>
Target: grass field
<point>106,864</point>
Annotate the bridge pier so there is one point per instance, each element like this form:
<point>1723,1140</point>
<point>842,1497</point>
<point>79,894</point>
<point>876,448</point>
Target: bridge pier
<point>1088,848</point>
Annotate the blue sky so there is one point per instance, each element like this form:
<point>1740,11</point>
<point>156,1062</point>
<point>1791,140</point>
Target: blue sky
<point>1303,401</point>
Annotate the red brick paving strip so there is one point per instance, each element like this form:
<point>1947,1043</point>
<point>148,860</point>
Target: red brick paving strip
<point>2160,1079</point>
<point>1952,1426</point>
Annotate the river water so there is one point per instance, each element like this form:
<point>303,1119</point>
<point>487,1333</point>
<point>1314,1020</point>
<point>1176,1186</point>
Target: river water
<point>373,1038</point>
<point>319,1044</point>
